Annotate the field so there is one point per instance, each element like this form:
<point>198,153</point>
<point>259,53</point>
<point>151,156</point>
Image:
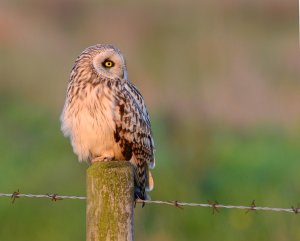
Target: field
<point>221,82</point>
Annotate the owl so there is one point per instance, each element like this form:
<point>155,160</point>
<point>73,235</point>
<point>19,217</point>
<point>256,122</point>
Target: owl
<point>105,115</point>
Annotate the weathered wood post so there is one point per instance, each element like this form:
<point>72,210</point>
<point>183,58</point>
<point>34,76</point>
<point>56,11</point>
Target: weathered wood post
<point>110,200</point>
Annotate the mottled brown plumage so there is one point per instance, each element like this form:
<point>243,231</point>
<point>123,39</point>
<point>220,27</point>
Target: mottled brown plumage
<point>105,115</point>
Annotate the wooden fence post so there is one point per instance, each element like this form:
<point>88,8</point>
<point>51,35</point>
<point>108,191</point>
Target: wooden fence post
<point>110,200</point>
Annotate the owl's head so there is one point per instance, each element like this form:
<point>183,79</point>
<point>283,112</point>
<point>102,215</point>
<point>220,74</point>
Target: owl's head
<point>107,61</point>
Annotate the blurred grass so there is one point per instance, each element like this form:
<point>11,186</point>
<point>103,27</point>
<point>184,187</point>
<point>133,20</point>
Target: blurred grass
<point>228,165</point>
<point>35,159</point>
<point>221,82</point>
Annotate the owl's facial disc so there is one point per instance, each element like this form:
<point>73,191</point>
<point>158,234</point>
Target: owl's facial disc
<point>110,64</point>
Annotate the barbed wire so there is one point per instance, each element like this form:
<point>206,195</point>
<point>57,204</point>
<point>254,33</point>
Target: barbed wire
<point>215,206</point>
<point>53,197</point>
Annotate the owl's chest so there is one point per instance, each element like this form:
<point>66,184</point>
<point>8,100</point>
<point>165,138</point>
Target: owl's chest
<point>90,123</point>
<point>95,116</point>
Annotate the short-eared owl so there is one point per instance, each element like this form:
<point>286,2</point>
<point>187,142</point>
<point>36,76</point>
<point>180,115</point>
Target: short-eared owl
<point>105,115</point>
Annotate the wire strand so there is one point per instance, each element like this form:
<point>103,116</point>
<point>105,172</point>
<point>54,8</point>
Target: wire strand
<point>49,196</point>
<point>215,205</point>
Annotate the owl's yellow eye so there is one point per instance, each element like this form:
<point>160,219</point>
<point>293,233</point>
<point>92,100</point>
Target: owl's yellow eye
<point>108,63</point>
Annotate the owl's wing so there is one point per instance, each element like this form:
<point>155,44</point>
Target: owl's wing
<point>133,130</point>
<point>133,122</point>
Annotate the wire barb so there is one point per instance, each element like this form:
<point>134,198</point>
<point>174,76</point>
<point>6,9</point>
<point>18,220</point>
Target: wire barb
<point>54,197</point>
<point>214,206</point>
<point>296,209</point>
<point>14,196</point>
<point>177,205</point>
<point>252,207</point>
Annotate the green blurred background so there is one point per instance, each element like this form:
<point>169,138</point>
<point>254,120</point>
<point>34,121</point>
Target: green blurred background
<point>221,82</point>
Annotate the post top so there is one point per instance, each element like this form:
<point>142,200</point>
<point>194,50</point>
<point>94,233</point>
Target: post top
<point>108,165</point>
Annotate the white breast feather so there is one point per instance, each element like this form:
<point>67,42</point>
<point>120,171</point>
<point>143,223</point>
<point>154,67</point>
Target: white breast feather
<point>90,131</point>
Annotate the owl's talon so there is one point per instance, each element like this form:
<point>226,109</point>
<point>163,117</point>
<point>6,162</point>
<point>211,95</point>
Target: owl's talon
<point>108,158</point>
<point>101,159</point>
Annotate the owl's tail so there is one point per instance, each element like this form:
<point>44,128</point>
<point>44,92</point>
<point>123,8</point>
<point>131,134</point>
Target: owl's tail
<point>143,179</point>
